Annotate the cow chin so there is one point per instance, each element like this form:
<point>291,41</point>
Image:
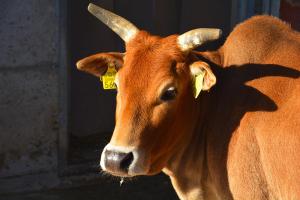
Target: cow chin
<point>123,161</point>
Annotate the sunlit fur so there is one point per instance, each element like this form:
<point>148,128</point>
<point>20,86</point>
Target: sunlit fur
<point>241,139</point>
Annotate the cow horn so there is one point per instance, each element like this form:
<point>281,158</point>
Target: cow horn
<point>125,29</point>
<point>196,37</point>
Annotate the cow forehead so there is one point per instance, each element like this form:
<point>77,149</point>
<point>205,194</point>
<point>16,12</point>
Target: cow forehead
<point>147,49</point>
<point>149,59</point>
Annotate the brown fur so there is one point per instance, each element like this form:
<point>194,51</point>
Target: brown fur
<point>239,141</point>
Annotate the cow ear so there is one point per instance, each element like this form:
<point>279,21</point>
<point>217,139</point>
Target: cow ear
<point>97,64</point>
<point>209,79</point>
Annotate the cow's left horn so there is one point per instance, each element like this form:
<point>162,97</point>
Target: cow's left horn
<point>125,29</point>
<point>196,37</point>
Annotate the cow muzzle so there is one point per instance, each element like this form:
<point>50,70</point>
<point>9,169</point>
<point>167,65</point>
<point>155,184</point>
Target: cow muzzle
<point>123,161</point>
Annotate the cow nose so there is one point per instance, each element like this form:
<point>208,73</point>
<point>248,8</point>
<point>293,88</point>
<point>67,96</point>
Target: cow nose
<point>117,162</point>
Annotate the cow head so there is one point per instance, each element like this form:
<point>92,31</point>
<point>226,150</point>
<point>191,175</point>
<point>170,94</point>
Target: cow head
<point>155,94</point>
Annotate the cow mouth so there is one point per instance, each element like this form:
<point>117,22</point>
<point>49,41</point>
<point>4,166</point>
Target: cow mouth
<point>117,174</point>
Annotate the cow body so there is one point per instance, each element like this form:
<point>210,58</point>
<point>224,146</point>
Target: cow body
<point>240,140</point>
<point>248,144</point>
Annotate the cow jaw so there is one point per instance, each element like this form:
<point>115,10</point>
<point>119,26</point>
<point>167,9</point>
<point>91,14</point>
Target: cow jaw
<point>123,161</point>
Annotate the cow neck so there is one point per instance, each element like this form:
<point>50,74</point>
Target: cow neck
<point>187,168</point>
<point>185,177</point>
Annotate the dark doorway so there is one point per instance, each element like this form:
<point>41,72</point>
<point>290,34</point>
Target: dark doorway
<point>92,109</point>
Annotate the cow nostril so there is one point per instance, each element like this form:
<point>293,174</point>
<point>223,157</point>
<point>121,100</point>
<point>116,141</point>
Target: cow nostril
<point>127,160</point>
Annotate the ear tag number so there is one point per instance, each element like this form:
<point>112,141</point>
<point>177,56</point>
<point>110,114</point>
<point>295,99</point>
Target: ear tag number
<point>108,79</point>
<point>198,83</point>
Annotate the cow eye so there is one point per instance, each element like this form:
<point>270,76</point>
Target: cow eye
<point>169,94</point>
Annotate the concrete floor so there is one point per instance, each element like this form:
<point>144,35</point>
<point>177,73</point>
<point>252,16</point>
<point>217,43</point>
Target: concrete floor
<point>145,188</point>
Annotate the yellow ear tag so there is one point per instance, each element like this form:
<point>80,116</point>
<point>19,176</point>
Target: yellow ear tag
<point>198,84</point>
<point>108,79</point>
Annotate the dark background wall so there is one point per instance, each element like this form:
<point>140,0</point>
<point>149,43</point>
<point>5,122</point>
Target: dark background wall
<point>28,87</point>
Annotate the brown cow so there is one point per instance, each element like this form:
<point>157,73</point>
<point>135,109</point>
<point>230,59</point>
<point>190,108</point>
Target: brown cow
<point>239,141</point>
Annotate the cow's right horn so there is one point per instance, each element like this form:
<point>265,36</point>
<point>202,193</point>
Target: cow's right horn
<point>196,37</point>
<point>125,29</point>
